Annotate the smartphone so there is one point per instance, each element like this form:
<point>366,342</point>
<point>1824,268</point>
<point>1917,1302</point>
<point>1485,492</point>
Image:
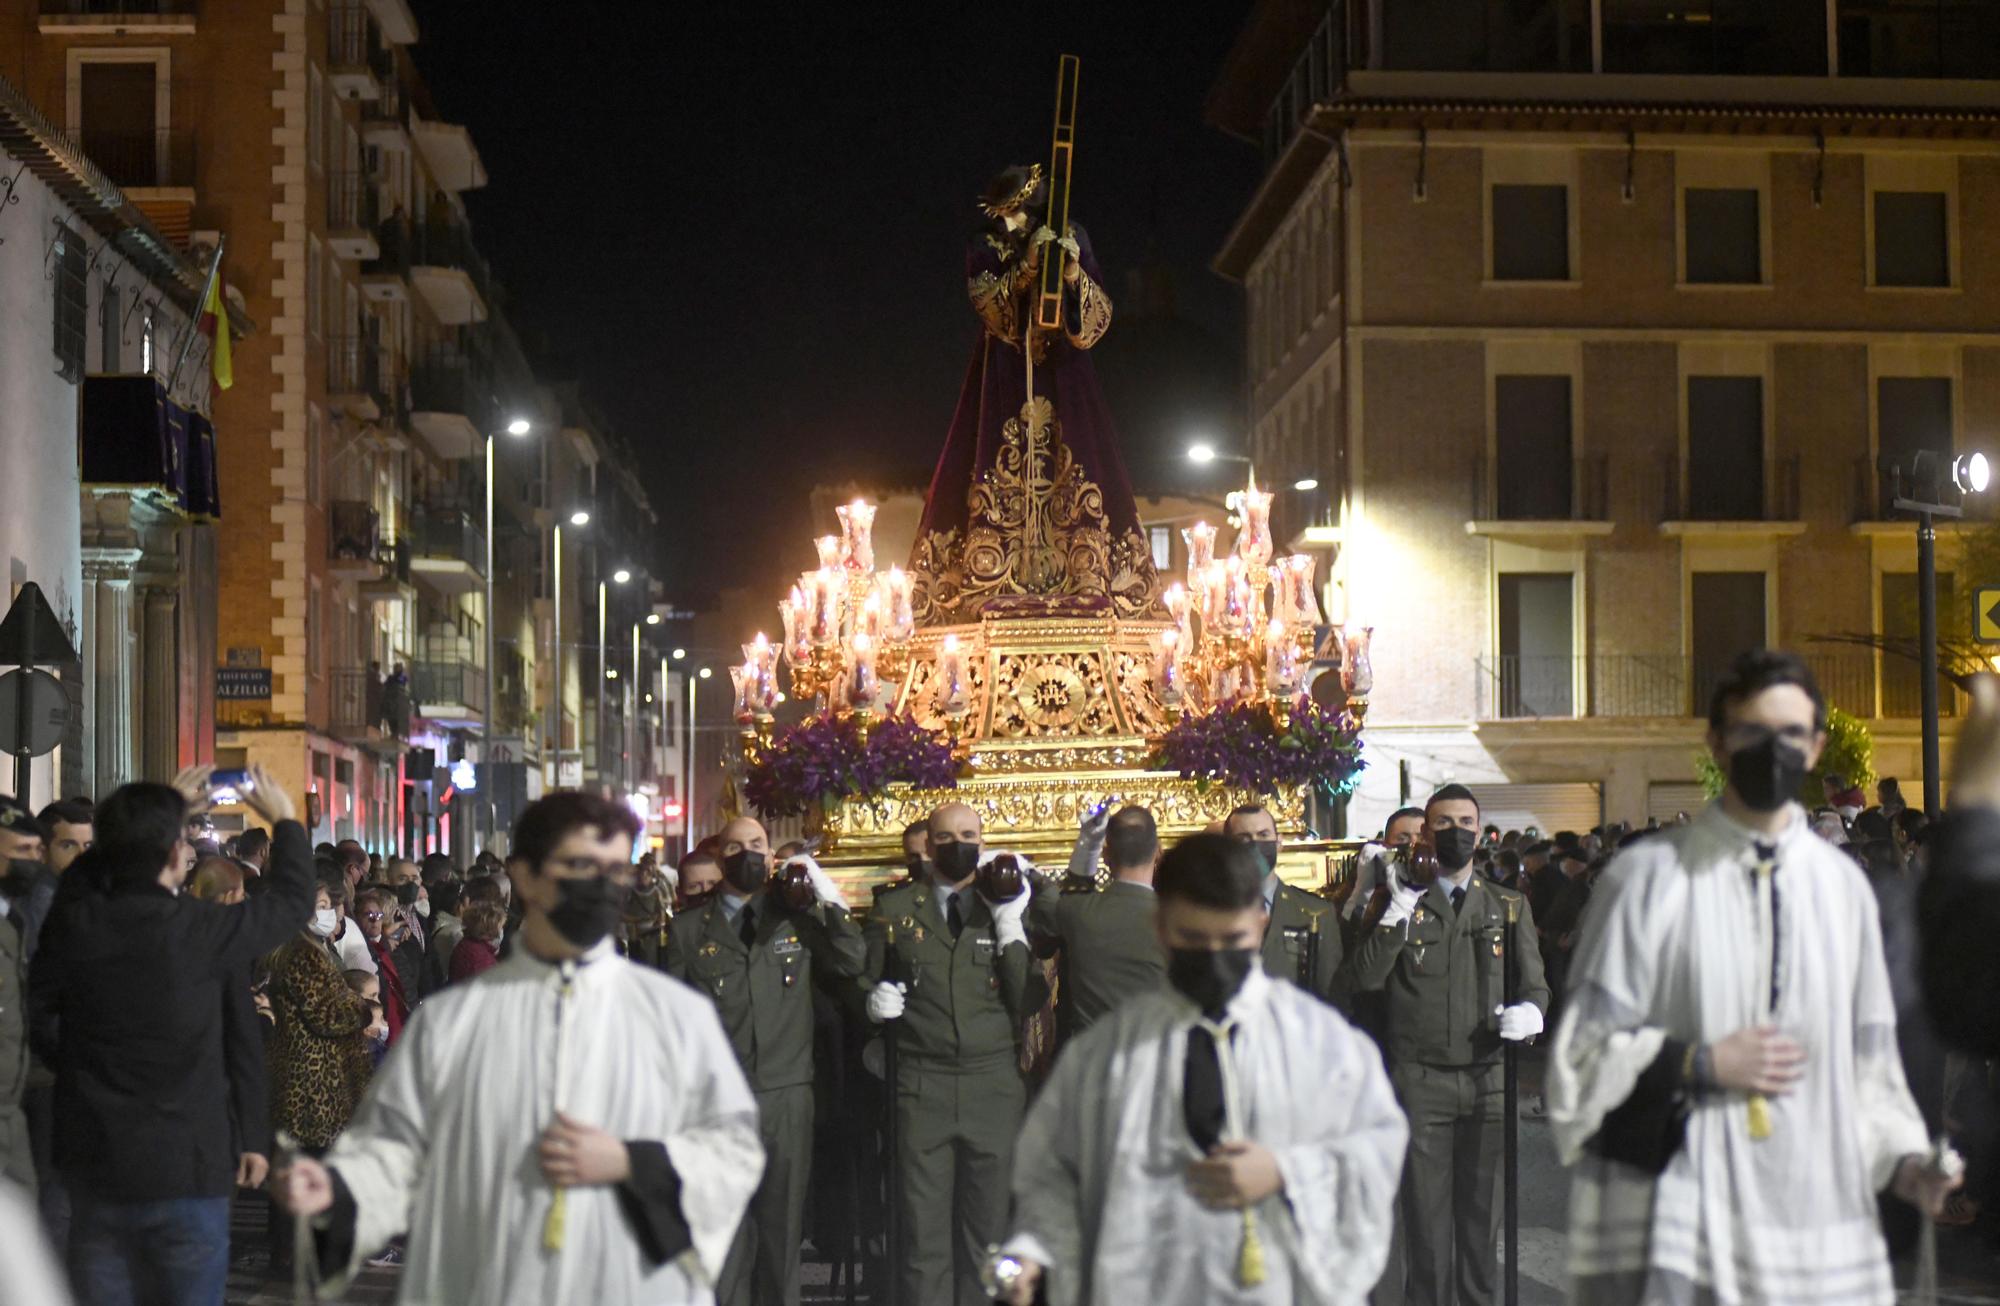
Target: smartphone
<point>235,781</point>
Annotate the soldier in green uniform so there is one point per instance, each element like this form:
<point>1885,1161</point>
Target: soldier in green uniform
<point>755,959</point>
<point>1297,917</point>
<point>1440,953</point>
<point>1109,949</point>
<point>956,974</point>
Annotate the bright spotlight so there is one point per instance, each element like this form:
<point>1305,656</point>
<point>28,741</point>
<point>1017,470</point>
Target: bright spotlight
<point>1305,483</point>
<point>680,653</point>
<point>519,426</point>
<point>621,576</point>
<point>652,618</point>
<point>1201,453</point>
<point>579,518</point>
<point>1971,473</point>
<point>705,673</point>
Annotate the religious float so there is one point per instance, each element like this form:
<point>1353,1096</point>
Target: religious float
<point>1028,660</point>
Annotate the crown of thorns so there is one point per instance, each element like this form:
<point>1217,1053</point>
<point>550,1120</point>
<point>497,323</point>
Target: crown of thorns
<point>1001,208</point>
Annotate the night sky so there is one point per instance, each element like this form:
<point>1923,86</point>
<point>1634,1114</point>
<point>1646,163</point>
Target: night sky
<point>746,232</point>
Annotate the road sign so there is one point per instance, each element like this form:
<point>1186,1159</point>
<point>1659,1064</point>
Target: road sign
<point>48,713</point>
<point>31,634</point>
<point>1986,615</point>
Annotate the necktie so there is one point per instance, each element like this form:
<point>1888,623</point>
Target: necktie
<point>1201,1090</point>
<point>746,926</point>
<point>1457,898</point>
<point>953,917</point>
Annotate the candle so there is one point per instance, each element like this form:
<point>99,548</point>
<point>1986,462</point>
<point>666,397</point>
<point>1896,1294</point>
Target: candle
<point>1236,607</point>
<point>1169,673</point>
<point>1281,661</point>
<point>897,587</point>
<point>788,613</point>
<point>861,684</point>
<point>1299,570</point>
<point>830,549</point>
<point>741,677</point>
<point>761,659</point>
<point>869,620</point>
<point>857,529</point>
<point>950,676</point>
<point>1253,540</point>
<point>828,586</point>
<point>1200,539</point>
<point>1357,674</point>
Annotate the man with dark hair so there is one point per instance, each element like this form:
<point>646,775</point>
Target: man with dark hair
<point>1109,951</point>
<point>755,955</point>
<point>1725,1080</point>
<point>131,989</point>
<point>1297,918</point>
<point>644,1134</point>
<point>1219,1138</point>
<point>1369,897</point>
<point>701,877</point>
<point>253,849</point>
<point>1441,953</point>
<point>956,970</point>
<point>67,831</point>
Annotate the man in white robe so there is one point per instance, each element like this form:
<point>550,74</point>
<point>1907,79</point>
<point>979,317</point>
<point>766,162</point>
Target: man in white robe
<point>567,1127</point>
<point>1725,1078</point>
<point>1227,1138</point>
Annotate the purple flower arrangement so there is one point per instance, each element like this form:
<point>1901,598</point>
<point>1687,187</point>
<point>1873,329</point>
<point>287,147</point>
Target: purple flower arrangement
<point>823,759</point>
<point>1244,745</point>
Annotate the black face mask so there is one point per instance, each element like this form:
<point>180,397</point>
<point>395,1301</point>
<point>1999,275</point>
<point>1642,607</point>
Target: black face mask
<point>406,894</point>
<point>586,910</point>
<point>918,867</point>
<point>20,878</point>
<point>746,870</point>
<point>955,861</point>
<point>1267,853</point>
<point>1767,774</point>
<point>1207,977</point>
<point>1454,846</point>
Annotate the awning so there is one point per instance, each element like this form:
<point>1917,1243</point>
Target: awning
<point>133,435</point>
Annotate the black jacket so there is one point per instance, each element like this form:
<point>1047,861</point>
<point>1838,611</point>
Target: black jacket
<point>1958,912</point>
<point>129,989</point>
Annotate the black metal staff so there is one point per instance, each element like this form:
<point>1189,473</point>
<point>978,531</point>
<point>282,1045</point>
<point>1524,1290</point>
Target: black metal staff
<point>892,1243</point>
<point>1511,1145</point>
<point>1310,981</point>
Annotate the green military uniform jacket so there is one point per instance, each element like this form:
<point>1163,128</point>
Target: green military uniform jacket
<point>967,999</point>
<point>1295,915</point>
<point>1110,949</point>
<point>1443,973</point>
<point>763,990</point>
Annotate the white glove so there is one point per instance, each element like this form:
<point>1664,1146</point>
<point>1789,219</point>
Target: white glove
<point>1009,918</point>
<point>1403,900</point>
<point>824,888</point>
<point>1089,848</point>
<point>885,1001</point>
<point>1367,870</point>
<point>1520,1022</point>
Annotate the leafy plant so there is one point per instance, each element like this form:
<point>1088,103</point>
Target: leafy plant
<point>1247,746</point>
<point>824,759</point>
<point>1850,753</point>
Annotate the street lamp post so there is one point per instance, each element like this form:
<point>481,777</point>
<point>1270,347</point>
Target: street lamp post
<point>1927,475</point>
<point>519,426</point>
<point>687,768</point>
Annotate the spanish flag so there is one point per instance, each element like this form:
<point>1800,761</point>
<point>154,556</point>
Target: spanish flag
<point>215,325</point>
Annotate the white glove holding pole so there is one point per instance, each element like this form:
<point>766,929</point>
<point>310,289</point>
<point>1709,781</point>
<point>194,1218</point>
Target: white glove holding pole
<point>1089,850</point>
<point>1403,900</point>
<point>1367,873</point>
<point>1010,917</point>
<point>885,1001</point>
<point>1520,1022</point>
<point>824,889</point>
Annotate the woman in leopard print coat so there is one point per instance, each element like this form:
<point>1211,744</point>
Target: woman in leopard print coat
<point>318,1055</point>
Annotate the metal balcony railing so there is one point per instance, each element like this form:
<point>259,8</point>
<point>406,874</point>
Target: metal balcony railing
<point>1515,688</point>
<point>1316,77</point>
<point>446,244</point>
<point>354,366</point>
<point>364,700</point>
<point>352,202</point>
<point>448,382</point>
<point>353,531</point>
<point>449,533</point>
<point>143,159</point>
<point>449,682</point>
<point>352,40</point>
<point>112,8</point>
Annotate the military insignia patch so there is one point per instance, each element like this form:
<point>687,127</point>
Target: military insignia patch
<point>709,949</point>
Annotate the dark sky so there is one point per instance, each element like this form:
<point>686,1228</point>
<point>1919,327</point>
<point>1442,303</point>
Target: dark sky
<point>746,223</point>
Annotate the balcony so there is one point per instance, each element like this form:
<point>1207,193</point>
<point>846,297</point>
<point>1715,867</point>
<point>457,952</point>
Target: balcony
<point>354,544</point>
<point>450,690</point>
<point>1662,686</point>
<point>118,18</point>
<point>366,710</point>
<point>357,62</point>
<point>392,583</point>
<point>448,550</point>
<point>399,25</point>
<point>447,271</point>
<point>354,376</point>
<point>144,161</point>
<point>385,120</point>
<point>453,158</point>
<point>351,215</point>
<point>1522,507</point>
<point>385,278</point>
<point>447,405</point>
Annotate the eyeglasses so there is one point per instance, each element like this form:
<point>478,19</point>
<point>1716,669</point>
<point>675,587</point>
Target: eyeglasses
<point>371,916</point>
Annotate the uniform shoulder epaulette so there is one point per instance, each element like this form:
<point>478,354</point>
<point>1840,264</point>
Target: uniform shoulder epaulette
<point>1077,884</point>
<point>889,885</point>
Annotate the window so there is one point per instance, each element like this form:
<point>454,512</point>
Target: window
<point>315,290</point>
<point>1918,38</point>
<point>315,628</point>
<point>315,435</point>
<point>1911,413</point>
<point>72,297</point>
<point>1530,232</point>
<point>1902,683</point>
<point>1725,448</point>
<point>1486,35</point>
<point>1726,617</point>
<point>1912,238</point>
<point>146,341</point>
<point>1537,670</point>
<point>118,118</point>
<point>315,118</point>
<point>1724,236</point>
<point>1722,37</point>
<point>1162,540</point>
<point>1531,426</point>
<point>110,327</point>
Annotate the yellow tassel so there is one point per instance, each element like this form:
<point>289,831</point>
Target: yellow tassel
<point>1250,1265</point>
<point>1760,1117</point>
<point>552,1228</point>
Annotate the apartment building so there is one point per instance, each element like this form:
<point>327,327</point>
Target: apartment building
<point>1593,319</point>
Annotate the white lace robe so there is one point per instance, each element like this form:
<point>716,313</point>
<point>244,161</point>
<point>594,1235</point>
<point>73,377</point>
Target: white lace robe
<point>1678,943</point>
<point>1099,1172</point>
<point>444,1144</point>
